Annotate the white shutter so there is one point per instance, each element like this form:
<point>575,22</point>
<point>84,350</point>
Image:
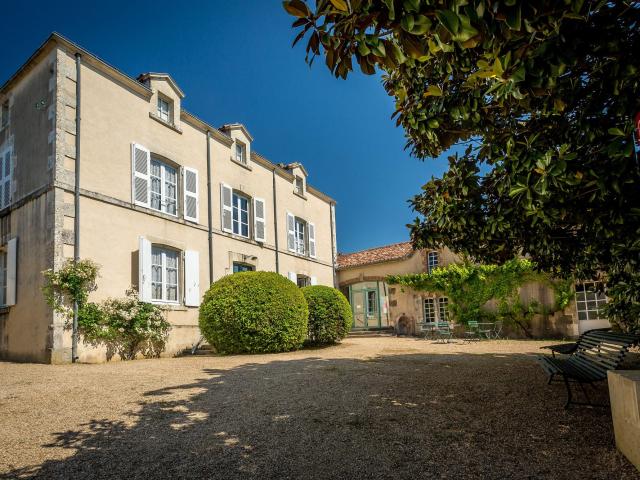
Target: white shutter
<point>314,280</point>
<point>312,240</point>
<point>190,182</point>
<point>259,220</point>
<point>226,210</point>
<point>293,277</point>
<point>144,273</point>
<point>141,165</point>
<point>191,278</point>
<point>291,232</point>
<point>5,178</point>
<point>12,261</point>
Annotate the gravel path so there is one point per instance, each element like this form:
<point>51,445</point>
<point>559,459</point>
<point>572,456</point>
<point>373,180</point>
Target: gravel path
<point>377,407</point>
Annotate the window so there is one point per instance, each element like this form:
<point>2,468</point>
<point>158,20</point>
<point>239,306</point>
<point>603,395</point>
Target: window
<point>242,267</point>
<point>372,303</point>
<point>301,236</point>
<point>429,310</point>
<point>241,153</point>
<point>299,183</point>
<point>432,261</point>
<point>164,109</point>
<point>164,187</point>
<point>589,301</point>
<point>300,228</point>
<point>3,278</point>
<point>164,274</point>
<point>303,281</point>
<point>443,309</point>
<point>240,219</point>
<point>4,115</point>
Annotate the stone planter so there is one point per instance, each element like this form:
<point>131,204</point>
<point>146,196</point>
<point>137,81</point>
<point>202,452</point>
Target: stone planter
<point>624,390</point>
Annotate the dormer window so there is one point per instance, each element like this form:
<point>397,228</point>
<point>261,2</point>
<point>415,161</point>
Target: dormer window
<point>164,109</point>
<point>241,153</point>
<point>299,185</point>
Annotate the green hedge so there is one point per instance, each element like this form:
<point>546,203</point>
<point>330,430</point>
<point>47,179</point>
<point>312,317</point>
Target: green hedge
<point>330,317</point>
<point>254,312</point>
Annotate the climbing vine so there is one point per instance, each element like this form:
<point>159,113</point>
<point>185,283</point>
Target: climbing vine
<point>71,283</point>
<point>470,287</point>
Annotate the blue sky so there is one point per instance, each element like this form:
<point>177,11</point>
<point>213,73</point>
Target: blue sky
<point>235,63</point>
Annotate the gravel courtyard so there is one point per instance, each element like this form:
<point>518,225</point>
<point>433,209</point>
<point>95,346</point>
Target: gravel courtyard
<point>379,407</point>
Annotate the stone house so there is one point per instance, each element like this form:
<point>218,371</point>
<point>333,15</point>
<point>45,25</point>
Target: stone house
<point>377,305</point>
<point>96,164</point>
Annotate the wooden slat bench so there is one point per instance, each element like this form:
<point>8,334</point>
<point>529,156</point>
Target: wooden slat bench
<point>569,348</point>
<point>596,353</point>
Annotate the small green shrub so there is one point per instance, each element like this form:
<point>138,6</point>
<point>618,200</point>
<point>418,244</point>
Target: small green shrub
<point>330,317</point>
<point>254,312</point>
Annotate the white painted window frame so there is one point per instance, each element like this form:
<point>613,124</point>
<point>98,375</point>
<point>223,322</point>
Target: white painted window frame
<point>163,186</point>
<point>300,231</point>
<point>164,115</point>
<point>235,205</point>
<point>164,250</point>
<point>433,261</point>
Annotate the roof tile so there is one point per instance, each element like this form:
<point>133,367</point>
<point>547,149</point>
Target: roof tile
<point>387,253</point>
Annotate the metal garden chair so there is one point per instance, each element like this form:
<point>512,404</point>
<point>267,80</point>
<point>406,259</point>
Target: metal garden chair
<point>471,333</point>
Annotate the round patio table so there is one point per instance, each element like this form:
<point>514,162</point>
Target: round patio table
<point>486,329</point>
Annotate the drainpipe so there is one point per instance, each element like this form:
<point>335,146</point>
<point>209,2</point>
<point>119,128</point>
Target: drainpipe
<point>333,247</point>
<point>76,218</point>
<point>209,207</point>
<point>275,220</point>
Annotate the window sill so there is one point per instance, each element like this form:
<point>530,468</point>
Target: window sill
<point>172,306</point>
<point>166,124</point>
<point>4,309</point>
<point>302,255</point>
<point>159,214</point>
<point>243,165</point>
<point>299,195</point>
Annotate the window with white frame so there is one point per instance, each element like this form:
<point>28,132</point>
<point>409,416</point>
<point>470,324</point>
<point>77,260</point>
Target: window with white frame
<point>303,281</point>
<point>164,274</point>
<point>164,109</point>
<point>240,153</point>
<point>432,261</point>
<point>429,310</point>
<point>240,217</point>
<point>164,187</point>
<point>443,309</point>
<point>300,236</point>
<point>589,301</point>
<point>299,185</point>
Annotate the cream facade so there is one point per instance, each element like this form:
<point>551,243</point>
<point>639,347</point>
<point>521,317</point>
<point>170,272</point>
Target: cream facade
<point>167,203</point>
<point>377,305</point>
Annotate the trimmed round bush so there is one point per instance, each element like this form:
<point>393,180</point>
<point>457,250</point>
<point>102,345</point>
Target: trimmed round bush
<point>330,317</point>
<point>254,312</point>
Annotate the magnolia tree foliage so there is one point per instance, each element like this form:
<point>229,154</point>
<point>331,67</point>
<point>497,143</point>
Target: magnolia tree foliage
<point>543,92</point>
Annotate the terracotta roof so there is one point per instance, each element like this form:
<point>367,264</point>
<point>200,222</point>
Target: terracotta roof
<point>387,253</point>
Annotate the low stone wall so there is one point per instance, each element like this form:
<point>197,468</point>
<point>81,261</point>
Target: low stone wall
<point>624,390</point>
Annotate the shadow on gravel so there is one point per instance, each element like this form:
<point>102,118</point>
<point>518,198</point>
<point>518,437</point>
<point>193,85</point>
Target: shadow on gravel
<point>404,416</point>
